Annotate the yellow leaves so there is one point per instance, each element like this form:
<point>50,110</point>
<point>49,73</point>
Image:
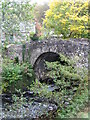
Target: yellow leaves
<point>86,4</point>
<point>62,8</point>
<point>78,1</point>
<point>49,13</point>
<point>67,14</point>
<point>44,21</point>
<point>71,16</point>
<point>84,18</point>
<point>63,21</point>
<point>47,24</point>
<point>74,17</point>
<point>68,4</point>
<point>86,31</point>
<point>74,29</point>
<point>64,28</point>
<point>57,16</point>
<point>60,15</point>
<point>81,27</point>
<point>54,3</point>
<point>77,29</point>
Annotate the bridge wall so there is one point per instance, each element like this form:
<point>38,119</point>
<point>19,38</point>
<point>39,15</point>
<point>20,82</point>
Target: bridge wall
<point>76,49</point>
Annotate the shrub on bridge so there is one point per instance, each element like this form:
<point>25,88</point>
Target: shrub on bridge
<point>16,76</point>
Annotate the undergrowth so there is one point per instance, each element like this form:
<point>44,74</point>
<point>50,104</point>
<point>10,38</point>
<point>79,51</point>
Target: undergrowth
<point>72,91</point>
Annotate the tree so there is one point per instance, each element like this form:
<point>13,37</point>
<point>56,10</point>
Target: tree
<point>40,12</point>
<point>13,14</point>
<point>69,18</point>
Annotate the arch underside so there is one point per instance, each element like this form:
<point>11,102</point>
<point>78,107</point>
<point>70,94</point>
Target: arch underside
<point>40,67</point>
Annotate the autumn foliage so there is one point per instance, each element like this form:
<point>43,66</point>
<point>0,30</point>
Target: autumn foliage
<point>69,18</point>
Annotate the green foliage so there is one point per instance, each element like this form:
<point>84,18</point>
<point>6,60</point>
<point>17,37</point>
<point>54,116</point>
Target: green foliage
<point>41,89</point>
<point>77,104</point>
<point>71,87</point>
<point>14,14</point>
<point>44,33</point>
<point>41,37</point>
<point>16,76</point>
<point>33,36</point>
<point>64,75</point>
<point>18,101</point>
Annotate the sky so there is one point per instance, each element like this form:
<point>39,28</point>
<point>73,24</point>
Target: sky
<point>33,1</point>
<point>40,1</point>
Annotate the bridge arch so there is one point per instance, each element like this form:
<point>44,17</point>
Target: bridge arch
<point>76,49</point>
<point>40,66</point>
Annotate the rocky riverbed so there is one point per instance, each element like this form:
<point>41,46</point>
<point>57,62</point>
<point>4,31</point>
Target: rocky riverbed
<point>30,110</point>
<point>29,107</point>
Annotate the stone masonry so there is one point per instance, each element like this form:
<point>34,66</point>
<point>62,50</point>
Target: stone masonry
<point>36,51</point>
<point>31,51</point>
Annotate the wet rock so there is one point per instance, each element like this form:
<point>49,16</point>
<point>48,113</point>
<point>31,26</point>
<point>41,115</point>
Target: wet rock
<point>40,99</point>
<point>69,99</point>
<point>52,88</point>
<point>7,98</point>
<point>33,110</point>
<point>66,103</point>
<point>29,94</point>
<point>47,80</point>
<point>25,106</point>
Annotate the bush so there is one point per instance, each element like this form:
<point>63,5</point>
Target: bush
<point>71,93</point>
<point>64,76</point>
<point>33,36</point>
<point>16,76</point>
<point>68,18</point>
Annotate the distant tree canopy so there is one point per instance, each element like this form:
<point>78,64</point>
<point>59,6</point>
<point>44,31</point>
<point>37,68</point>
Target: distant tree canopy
<point>14,13</point>
<point>69,18</point>
<point>40,11</point>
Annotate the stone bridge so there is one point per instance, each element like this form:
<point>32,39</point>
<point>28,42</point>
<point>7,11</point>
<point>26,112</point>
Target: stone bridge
<point>36,52</point>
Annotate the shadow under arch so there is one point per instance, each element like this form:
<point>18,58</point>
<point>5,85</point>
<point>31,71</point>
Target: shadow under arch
<point>40,66</point>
